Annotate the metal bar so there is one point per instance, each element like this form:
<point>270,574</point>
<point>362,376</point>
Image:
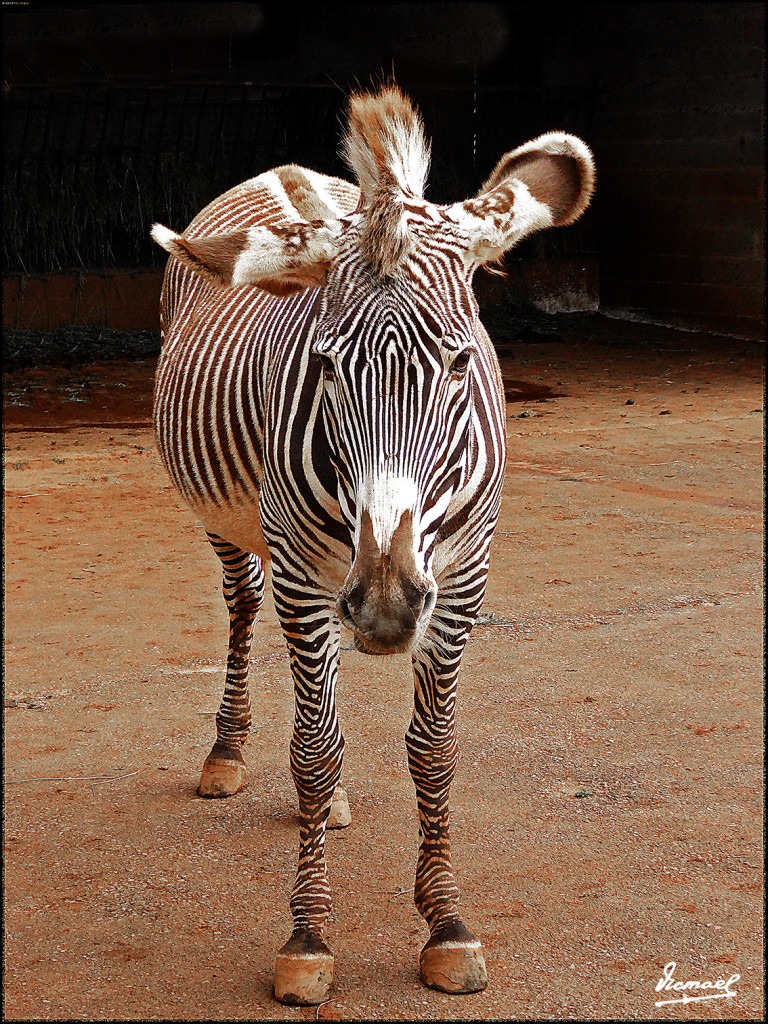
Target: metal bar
<point>140,139</point>
<point>233,178</point>
<point>25,134</point>
<point>121,137</point>
<point>81,140</point>
<point>218,139</point>
<point>105,109</point>
<point>41,163</point>
<point>181,115</point>
<point>256,134</point>
<point>199,122</point>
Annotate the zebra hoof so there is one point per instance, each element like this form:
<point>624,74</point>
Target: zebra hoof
<point>223,774</point>
<point>340,815</point>
<point>456,966</point>
<point>303,971</point>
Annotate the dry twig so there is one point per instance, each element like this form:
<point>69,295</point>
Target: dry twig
<point>98,779</point>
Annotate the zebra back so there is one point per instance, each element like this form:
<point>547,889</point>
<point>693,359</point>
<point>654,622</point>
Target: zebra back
<point>283,195</point>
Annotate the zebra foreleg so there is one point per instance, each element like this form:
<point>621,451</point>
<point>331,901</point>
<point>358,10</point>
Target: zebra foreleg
<point>223,772</point>
<point>452,959</point>
<point>304,965</point>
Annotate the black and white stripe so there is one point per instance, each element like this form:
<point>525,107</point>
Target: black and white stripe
<point>304,423</point>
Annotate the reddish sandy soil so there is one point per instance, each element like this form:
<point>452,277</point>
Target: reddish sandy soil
<point>608,807</point>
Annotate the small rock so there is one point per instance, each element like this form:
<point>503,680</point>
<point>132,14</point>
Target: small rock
<point>630,401</point>
<point>582,793</point>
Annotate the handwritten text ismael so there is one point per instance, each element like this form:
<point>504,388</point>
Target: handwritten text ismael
<point>700,990</point>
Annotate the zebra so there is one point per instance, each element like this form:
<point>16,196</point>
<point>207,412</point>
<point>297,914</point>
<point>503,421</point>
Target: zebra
<point>327,400</point>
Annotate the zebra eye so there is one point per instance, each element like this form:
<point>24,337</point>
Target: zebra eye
<point>461,362</point>
<point>329,373</point>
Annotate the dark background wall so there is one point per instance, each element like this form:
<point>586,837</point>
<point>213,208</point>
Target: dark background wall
<point>678,130</point>
<point>119,115</point>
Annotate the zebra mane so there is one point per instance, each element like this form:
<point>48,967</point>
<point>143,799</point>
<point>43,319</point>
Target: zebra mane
<point>385,147</point>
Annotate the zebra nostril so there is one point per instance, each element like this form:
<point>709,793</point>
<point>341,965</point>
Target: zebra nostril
<point>430,600</point>
<point>423,606</point>
<point>417,606</point>
<point>418,598</point>
<point>344,611</point>
<point>356,596</point>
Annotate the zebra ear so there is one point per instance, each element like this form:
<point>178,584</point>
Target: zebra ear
<point>280,258</point>
<point>545,183</point>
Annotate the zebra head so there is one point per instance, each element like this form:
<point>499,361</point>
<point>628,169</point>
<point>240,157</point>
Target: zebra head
<point>396,338</point>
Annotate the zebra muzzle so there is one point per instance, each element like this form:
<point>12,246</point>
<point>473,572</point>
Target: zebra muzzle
<point>386,601</point>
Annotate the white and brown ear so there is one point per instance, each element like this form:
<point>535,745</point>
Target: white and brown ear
<point>281,258</point>
<point>545,183</point>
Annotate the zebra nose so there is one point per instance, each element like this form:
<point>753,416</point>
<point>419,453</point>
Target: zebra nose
<point>386,597</point>
<point>384,624</point>
<point>384,629</point>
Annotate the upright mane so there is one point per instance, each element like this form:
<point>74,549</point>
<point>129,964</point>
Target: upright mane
<point>385,148</point>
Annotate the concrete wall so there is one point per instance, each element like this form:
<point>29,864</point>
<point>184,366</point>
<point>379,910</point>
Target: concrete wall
<point>670,97</point>
<point>129,300</point>
<point>124,300</point>
<point>677,130</point>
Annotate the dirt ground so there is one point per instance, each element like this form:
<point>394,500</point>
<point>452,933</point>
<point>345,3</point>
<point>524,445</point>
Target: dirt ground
<point>608,806</point>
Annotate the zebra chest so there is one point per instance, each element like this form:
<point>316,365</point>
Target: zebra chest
<point>237,463</point>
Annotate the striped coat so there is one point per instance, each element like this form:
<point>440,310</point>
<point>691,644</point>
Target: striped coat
<point>327,399</point>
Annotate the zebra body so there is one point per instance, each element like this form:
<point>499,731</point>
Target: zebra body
<point>327,399</point>
<point>228,427</point>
